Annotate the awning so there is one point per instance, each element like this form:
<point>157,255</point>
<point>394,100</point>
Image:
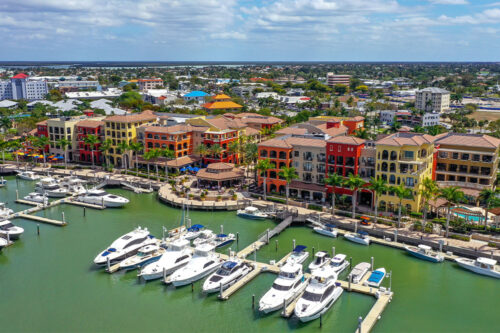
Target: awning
<point>295,184</point>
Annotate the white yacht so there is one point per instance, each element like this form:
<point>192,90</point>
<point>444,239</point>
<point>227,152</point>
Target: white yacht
<point>360,237</point>
<point>174,233</point>
<point>320,294</point>
<point>484,266</point>
<point>3,243</point>
<point>102,198</point>
<point>194,231</point>
<point>4,211</point>
<point>228,274</point>
<point>299,254</point>
<point>358,272</point>
<point>14,232</point>
<point>321,258</point>
<point>28,175</point>
<point>37,197</point>
<point>3,181</point>
<point>425,252</point>
<point>206,236</point>
<point>376,277</point>
<point>51,188</point>
<point>222,240</point>
<point>146,254</point>
<point>251,212</point>
<point>326,230</point>
<point>125,246</point>
<point>177,255</point>
<point>204,262</point>
<point>339,263</point>
<point>287,286</point>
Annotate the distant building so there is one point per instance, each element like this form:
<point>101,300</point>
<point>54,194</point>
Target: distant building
<point>21,86</point>
<point>222,102</point>
<point>197,95</point>
<point>334,79</point>
<point>146,84</point>
<point>432,99</point>
<point>75,84</point>
<point>110,93</point>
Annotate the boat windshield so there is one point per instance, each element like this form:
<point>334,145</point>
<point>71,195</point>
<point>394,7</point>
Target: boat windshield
<point>280,287</point>
<point>287,275</point>
<point>313,297</point>
<point>318,260</point>
<point>6,226</point>
<point>223,271</point>
<point>336,263</point>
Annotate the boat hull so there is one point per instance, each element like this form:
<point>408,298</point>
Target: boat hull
<point>478,270</point>
<point>251,217</point>
<point>315,315</point>
<point>194,278</point>
<point>357,240</point>
<point>325,232</point>
<point>159,274</point>
<point>422,256</point>
<point>139,264</point>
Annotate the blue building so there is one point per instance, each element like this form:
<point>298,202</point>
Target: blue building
<point>196,95</point>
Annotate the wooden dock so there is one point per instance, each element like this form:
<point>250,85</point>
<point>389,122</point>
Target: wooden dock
<point>29,203</point>
<point>240,283</point>
<point>40,219</point>
<point>250,249</point>
<point>375,313</point>
<point>84,204</point>
<point>113,268</point>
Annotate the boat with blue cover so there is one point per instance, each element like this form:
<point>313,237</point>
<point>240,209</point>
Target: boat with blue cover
<point>299,254</point>
<point>326,230</point>
<point>376,277</point>
<point>194,231</point>
<point>425,252</point>
<point>228,274</point>
<point>222,240</point>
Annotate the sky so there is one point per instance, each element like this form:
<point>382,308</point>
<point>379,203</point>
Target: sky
<point>244,30</point>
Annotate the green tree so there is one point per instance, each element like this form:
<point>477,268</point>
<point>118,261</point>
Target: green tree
<point>427,191</point>
<point>41,143</point>
<point>378,187</point>
<point>402,192</point>
<point>334,180</point>
<point>64,143</point>
<point>124,148</point>
<point>105,147</point>
<point>289,174</point>
<point>92,140</point>
<point>453,195</point>
<point>488,197</point>
<point>354,182</point>
<point>15,145</point>
<point>168,154</point>
<point>136,147</point>
<point>263,166</point>
<point>216,151</point>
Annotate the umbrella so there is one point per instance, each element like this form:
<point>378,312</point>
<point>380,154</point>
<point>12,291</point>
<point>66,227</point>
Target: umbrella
<point>182,170</point>
<point>189,168</point>
<point>60,157</point>
<point>196,169</point>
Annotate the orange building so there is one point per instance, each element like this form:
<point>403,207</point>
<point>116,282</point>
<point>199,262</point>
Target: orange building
<point>255,120</point>
<point>222,102</point>
<point>279,152</point>
<point>178,138</point>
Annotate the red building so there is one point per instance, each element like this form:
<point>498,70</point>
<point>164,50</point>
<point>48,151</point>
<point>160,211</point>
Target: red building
<point>177,138</point>
<point>42,130</point>
<point>353,123</point>
<point>223,138</point>
<point>83,129</point>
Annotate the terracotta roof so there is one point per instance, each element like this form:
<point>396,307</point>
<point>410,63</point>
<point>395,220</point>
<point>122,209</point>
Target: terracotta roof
<point>262,120</point>
<point>276,143</point>
<point>150,80</point>
<point>130,118</point>
<point>292,130</point>
<point>221,171</point>
<point>90,123</point>
<point>469,140</point>
<point>406,139</point>
<point>182,161</point>
<point>43,122</point>
<point>289,142</point>
<point>175,129</point>
<point>221,105</point>
<point>223,123</point>
<point>251,131</point>
<point>307,186</point>
<point>20,76</point>
<point>221,96</point>
<point>220,166</point>
<point>351,140</point>
<point>333,131</point>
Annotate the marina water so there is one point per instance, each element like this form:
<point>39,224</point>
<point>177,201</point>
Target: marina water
<point>48,282</point>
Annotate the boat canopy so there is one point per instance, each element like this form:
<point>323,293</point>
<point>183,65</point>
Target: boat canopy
<point>362,232</point>
<point>299,248</point>
<point>424,247</point>
<point>330,225</point>
<point>221,235</point>
<point>376,276</point>
<point>486,261</point>
<point>196,227</point>
<point>321,254</point>
<point>229,264</point>
<point>251,209</point>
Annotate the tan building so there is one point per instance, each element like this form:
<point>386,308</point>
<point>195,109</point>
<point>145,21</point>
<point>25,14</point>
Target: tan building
<point>469,161</point>
<point>334,79</point>
<point>432,100</point>
<point>147,84</point>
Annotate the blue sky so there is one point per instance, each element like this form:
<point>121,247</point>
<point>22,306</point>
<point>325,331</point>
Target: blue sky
<point>239,30</point>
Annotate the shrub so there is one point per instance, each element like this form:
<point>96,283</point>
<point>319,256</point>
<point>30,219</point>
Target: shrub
<point>276,200</point>
<point>491,244</point>
<point>416,214</point>
<point>439,220</point>
<point>315,207</point>
<point>460,237</point>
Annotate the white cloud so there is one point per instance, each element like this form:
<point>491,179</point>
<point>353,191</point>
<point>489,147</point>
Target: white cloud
<point>229,35</point>
<point>449,2</point>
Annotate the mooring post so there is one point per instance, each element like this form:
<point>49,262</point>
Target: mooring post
<point>333,251</point>
<point>350,262</point>
<point>360,320</point>
<point>254,253</point>
<point>276,245</point>
<point>237,237</point>
<point>349,283</point>
<point>17,195</point>
<point>108,263</point>
<point>164,274</point>
<point>192,287</point>
<point>293,244</point>
<point>253,301</point>
<point>84,211</point>
<point>267,236</point>
<point>63,219</point>
<point>38,229</point>
<point>8,238</point>
<point>313,251</point>
<point>390,280</point>
<point>372,263</point>
<point>320,320</point>
<point>221,229</point>
<point>220,290</point>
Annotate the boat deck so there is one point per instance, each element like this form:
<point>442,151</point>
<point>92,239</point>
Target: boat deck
<point>240,283</point>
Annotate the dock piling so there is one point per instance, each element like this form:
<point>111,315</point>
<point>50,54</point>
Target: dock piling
<point>333,251</point>
<point>108,264</point>
<point>267,236</point>
<point>220,290</point>
<point>293,245</point>
<point>237,237</point>
<point>192,287</point>
<point>360,320</point>
<point>253,301</point>
<point>390,280</point>
<point>313,251</point>
<point>372,260</point>
<point>349,283</point>
<point>83,211</point>
<point>8,238</point>
<point>350,262</point>
<point>254,253</point>
<point>276,245</point>
<point>221,229</point>
<point>320,320</point>
<point>17,194</point>
<point>164,274</point>
<point>63,219</point>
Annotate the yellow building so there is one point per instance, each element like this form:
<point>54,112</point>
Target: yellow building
<point>124,128</point>
<point>404,158</point>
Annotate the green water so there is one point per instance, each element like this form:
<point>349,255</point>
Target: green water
<point>48,283</point>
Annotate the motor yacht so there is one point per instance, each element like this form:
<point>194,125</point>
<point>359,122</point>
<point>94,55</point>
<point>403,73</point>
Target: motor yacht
<point>37,197</point>
<point>222,240</point>
<point>3,243</point>
<point>146,254</point>
<point>28,175</point>
<point>299,254</point>
<point>360,237</point>
<point>321,258</point>
<point>194,231</point>
<point>51,188</point>
<point>286,288</point>
<point>7,228</point>
<point>484,266</point>
<point>206,236</point>
<point>252,213</point>
<point>175,233</point>
<point>125,246</point>
<point>228,274</point>
<point>424,252</point>
<point>204,262</point>
<point>326,230</point>
<point>376,277</point>
<point>5,211</point>
<point>178,254</point>
<point>339,263</point>
<point>320,294</point>
<point>102,198</point>
<point>358,272</point>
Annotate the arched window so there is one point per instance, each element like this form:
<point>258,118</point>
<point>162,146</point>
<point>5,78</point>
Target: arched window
<point>171,147</point>
<point>385,155</point>
<point>392,167</point>
<point>282,155</point>
<point>263,153</point>
<point>272,174</point>
<point>272,154</point>
<point>384,166</point>
<point>394,156</point>
<point>392,179</point>
<point>282,164</point>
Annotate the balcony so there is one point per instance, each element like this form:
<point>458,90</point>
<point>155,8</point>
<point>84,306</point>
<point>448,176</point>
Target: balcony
<point>474,186</point>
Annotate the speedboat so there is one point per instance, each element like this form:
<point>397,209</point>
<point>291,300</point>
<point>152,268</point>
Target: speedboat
<point>102,198</point>
<point>177,255</point>
<point>481,265</point>
<point>7,228</point>
<point>60,192</point>
<point>321,258</point>
<point>146,254</point>
<point>37,197</point>
<point>376,277</point>
<point>177,232</point>
<point>326,230</point>
<point>320,294</point>
<point>287,287</point>
<point>50,187</point>
<point>194,231</point>
<point>206,236</point>
<point>222,240</point>
<point>358,272</point>
<point>251,212</point>
<point>339,263</point>
<point>424,252</point>
<point>28,175</point>
<point>204,262</point>
<point>3,243</point>
<point>125,246</point>
<point>228,274</point>
<point>299,254</point>
<point>4,211</point>
<point>360,237</point>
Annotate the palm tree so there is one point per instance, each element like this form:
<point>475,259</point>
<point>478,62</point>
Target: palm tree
<point>3,147</point>
<point>488,196</point>
<point>428,190</point>
<point>428,104</point>
<point>402,192</point>
<point>234,148</point>
<point>453,196</point>
<point>354,182</point>
<point>378,186</point>
<point>202,150</point>
<point>105,147</point>
<point>91,140</point>
<point>216,150</point>
<point>42,142</point>
<point>251,153</point>
<point>154,154</point>
<point>124,147</point>
<point>64,143</point>
<point>334,180</point>
<point>15,145</point>
<point>168,154</point>
<point>136,147</point>
<point>289,174</point>
<point>263,166</point>
<point>149,155</point>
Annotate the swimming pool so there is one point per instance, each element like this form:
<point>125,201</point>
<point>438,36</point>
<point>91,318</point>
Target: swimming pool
<point>471,217</point>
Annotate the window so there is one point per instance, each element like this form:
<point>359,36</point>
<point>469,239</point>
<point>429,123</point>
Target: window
<point>408,154</point>
<point>296,153</point>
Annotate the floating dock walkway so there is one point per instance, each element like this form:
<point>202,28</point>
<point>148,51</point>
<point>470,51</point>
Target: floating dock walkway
<point>41,219</point>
